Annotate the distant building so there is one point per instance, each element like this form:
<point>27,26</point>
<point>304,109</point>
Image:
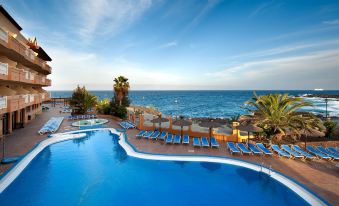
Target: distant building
<point>23,74</point>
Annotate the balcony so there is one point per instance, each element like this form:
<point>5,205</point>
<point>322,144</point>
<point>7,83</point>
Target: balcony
<point>19,52</point>
<point>17,102</point>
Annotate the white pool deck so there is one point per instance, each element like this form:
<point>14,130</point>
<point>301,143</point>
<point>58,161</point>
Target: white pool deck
<point>14,172</point>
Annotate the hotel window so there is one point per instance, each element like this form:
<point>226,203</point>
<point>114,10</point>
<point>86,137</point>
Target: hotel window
<point>3,35</point>
<point>3,68</point>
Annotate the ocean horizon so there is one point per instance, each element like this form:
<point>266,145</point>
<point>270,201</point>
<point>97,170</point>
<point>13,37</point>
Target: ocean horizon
<point>210,103</point>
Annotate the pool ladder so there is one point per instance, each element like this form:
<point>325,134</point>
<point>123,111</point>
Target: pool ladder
<point>269,168</point>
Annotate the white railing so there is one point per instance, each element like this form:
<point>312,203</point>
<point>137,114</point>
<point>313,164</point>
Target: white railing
<point>3,35</point>
<point>3,68</point>
<point>3,102</point>
<point>31,76</point>
<point>31,98</point>
<point>43,79</point>
<point>26,75</point>
<point>26,97</point>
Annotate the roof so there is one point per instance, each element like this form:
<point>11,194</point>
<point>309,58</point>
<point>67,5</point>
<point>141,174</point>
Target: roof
<point>10,18</point>
<point>41,53</point>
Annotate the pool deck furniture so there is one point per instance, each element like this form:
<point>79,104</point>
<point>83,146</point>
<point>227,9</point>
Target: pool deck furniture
<point>196,142</point>
<point>186,139</point>
<point>280,152</point>
<point>214,142</point>
<point>333,150</point>
<point>323,150</point>
<point>232,148</point>
<point>254,149</point>
<point>51,126</point>
<point>317,153</point>
<point>169,139</point>
<point>306,154</point>
<point>204,142</point>
<point>148,134</point>
<point>139,135</point>
<point>155,135</point>
<point>163,135</point>
<point>262,147</point>
<point>291,152</point>
<point>177,139</point>
<point>243,149</point>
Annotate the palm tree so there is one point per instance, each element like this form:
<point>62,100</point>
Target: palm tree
<point>121,86</point>
<point>277,114</point>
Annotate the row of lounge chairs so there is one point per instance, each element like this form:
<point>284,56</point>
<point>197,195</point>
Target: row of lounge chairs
<point>51,126</point>
<point>177,139</point>
<point>86,116</point>
<point>127,125</point>
<point>329,153</point>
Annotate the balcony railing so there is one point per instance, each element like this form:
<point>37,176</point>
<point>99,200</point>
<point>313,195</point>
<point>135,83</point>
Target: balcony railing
<point>16,102</point>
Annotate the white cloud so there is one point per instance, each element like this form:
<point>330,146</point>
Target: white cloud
<point>332,22</point>
<point>102,17</point>
<point>169,44</point>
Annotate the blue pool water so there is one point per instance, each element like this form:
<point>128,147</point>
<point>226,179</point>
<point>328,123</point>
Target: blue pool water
<point>96,171</point>
<point>210,103</point>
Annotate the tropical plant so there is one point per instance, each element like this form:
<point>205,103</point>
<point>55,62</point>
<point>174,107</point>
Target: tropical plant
<point>121,87</point>
<point>330,127</point>
<point>82,100</point>
<point>104,107</point>
<point>278,114</point>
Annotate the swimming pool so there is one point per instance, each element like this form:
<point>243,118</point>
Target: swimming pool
<point>96,170</point>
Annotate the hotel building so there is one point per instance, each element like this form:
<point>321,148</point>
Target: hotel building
<point>23,74</point>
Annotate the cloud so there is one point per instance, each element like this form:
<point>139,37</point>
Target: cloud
<point>169,44</point>
<point>332,22</point>
<point>102,17</point>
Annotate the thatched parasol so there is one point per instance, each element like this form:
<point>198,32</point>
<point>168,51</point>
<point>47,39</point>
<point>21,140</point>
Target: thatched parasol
<point>210,124</point>
<point>159,120</point>
<point>249,128</point>
<point>181,122</point>
<point>307,133</point>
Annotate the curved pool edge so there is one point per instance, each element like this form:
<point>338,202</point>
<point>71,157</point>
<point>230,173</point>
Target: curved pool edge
<point>7,178</point>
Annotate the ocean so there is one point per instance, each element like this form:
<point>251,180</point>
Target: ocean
<point>222,104</point>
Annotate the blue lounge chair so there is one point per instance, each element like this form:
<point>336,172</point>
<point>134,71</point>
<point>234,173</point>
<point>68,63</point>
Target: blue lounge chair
<point>233,149</point>
<point>155,135</point>
<point>333,150</point>
<point>317,153</point>
<point>254,149</point>
<point>142,132</point>
<point>323,150</point>
<point>306,154</point>
<point>169,138</point>
<point>243,148</point>
<point>196,142</point>
<point>281,153</point>
<point>163,135</point>
<point>177,139</point>
<point>262,147</point>
<point>291,152</point>
<point>214,142</point>
<point>186,139</point>
<point>204,142</point>
<point>148,134</point>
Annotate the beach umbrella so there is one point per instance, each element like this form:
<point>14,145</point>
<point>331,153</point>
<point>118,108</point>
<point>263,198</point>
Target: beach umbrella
<point>181,122</point>
<point>159,120</point>
<point>312,133</point>
<point>249,128</point>
<point>210,124</point>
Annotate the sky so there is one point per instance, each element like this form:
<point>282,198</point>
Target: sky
<point>186,45</point>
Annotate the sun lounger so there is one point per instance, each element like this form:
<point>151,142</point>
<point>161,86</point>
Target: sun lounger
<point>142,132</point>
<point>291,152</point>
<point>186,139</point>
<point>204,142</point>
<point>306,154</point>
<point>333,150</point>
<point>243,148</point>
<point>163,135</point>
<point>281,153</point>
<point>148,134</point>
<point>262,147</point>
<point>254,149</point>
<point>323,150</point>
<point>233,149</point>
<point>196,142</point>
<point>317,153</point>
<point>155,135</point>
<point>214,142</point>
<point>177,139</point>
<point>169,138</point>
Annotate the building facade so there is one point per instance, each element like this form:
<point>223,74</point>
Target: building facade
<point>23,74</point>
